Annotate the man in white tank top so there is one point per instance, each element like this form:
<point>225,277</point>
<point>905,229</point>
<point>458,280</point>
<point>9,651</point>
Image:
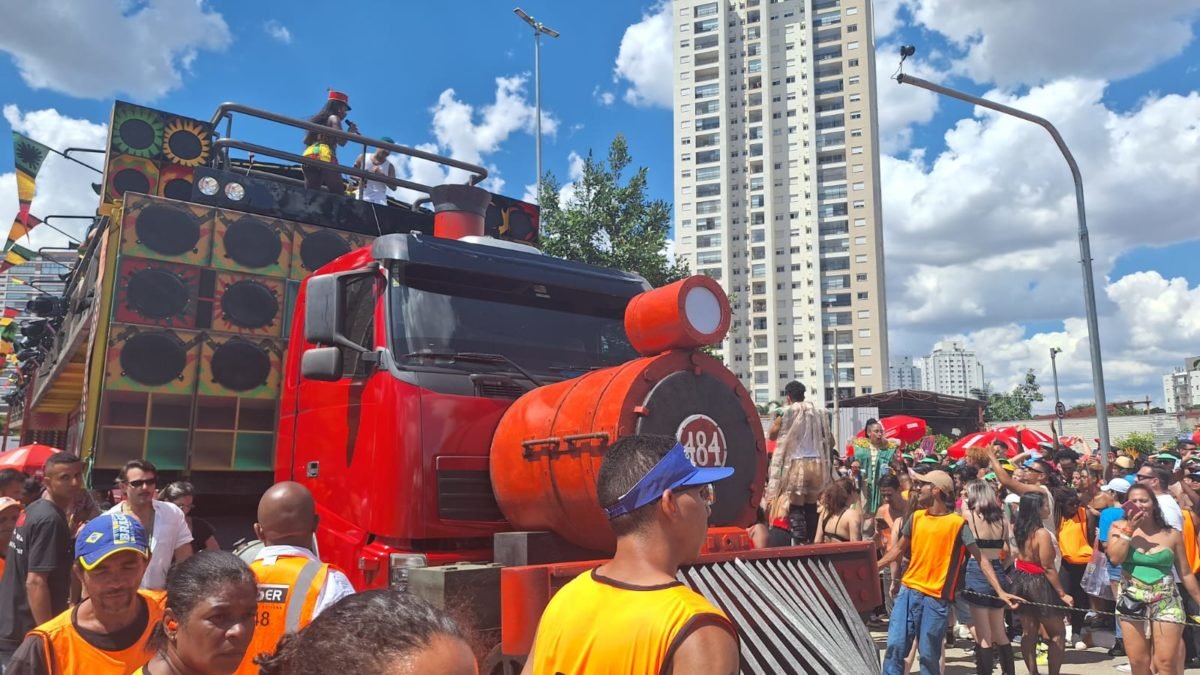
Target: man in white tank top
<point>374,191</point>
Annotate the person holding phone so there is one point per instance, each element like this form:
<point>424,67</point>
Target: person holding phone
<point>1035,579</point>
<point>1149,550</point>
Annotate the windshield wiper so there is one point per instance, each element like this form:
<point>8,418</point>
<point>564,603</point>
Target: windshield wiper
<point>573,368</point>
<point>478,357</point>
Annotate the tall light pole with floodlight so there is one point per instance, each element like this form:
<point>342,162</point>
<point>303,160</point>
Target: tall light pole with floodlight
<point>539,29</point>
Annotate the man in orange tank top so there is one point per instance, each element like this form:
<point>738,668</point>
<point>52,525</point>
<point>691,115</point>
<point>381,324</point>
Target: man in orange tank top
<point>936,541</point>
<point>631,615</point>
<point>107,632</point>
<point>294,586</point>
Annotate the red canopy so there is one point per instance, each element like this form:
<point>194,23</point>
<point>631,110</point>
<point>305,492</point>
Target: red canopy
<point>981,439</point>
<point>27,458</point>
<point>1030,439</point>
<point>902,428</point>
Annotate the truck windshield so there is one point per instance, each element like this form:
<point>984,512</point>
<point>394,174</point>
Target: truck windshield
<point>544,329</point>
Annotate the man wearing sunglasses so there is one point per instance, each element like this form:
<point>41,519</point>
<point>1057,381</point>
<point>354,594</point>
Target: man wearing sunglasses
<point>1158,479</point>
<point>631,615</point>
<point>165,524</point>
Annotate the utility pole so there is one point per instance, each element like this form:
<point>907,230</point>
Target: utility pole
<point>539,29</point>
<point>1085,249</point>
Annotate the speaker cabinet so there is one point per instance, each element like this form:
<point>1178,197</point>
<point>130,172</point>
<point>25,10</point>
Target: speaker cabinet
<point>162,229</point>
<point>144,425</point>
<point>240,367</point>
<point>508,218</point>
<point>186,142</point>
<point>157,293</point>
<point>127,173</point>
<point>248,243</point>
<point>175,182</point>
<point>151,360</point>
<point>313,247</point>
<point>137,131</point>
<point>234,433</point>
<point>248,305</point>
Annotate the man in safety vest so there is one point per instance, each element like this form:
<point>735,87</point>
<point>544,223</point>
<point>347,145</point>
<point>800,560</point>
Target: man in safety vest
<point>631,615</point>
<point>107,632</point>
<point>294,586</point>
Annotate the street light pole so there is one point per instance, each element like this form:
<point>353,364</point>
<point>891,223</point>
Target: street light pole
<point>1085,249</point>
<point>538,29</point>
<point>1057,399</point>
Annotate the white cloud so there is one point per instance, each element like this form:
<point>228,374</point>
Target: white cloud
<point>575,166</point>
<point>604,98</point>
<point>278,32</point>
<point>982,237</point>
<point>103,48</point>
<point>887,16</point>
<point>63,187</point>
<point>1034,41</point>
<point>644,59</point>
<point>469,133</point>
<point>902,106</point>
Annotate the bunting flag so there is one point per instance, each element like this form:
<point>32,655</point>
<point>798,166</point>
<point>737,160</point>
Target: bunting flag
<point>9,333</point>
<point>7,348</point>
<point>19,229</point>
<point>18,281</point>
<point>16,255</point>
<point>29,155</point>
<point>10,312</point>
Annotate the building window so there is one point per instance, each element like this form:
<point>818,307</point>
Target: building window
<point>864,313</point>
<point>864,332</point>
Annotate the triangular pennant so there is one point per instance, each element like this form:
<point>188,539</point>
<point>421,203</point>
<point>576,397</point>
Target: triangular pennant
<point>28,155</point>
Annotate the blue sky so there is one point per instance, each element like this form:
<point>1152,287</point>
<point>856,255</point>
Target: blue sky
<point>978,219</point>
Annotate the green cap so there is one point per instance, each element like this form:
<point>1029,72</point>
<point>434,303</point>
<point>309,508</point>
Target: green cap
<point>387,139</point>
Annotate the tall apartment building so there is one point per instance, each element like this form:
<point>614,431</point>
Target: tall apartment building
<point>1181,389</point>
<point>20,284</point>
<point>952,369</point>
<point>777,187</point>
<point>904,374</point>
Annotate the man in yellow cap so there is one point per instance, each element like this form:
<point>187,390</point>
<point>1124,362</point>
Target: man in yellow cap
<point>107,632</point>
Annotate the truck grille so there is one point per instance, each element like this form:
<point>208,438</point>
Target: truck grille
<point>466,495</point>
<point>792,616</point>
<point>498,388</point>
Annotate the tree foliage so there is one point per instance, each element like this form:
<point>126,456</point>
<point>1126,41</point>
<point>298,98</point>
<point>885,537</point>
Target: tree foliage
<point>608,220</point>
<point>1016,405</point>
<point>1142,442</point>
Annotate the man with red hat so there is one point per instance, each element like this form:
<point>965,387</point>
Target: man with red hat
<point>323,147</point>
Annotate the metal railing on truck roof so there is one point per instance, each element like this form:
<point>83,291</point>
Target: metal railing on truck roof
<point>222,145</point>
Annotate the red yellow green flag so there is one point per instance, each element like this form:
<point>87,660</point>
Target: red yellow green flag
<point>16,255</point>
<point>29,155</point>
<point>10,312</point>
<point>21,228</point>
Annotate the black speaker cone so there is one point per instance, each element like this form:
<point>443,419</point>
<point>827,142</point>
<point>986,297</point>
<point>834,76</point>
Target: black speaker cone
<point>130,180</point>
<point>252,243</point>
<point>185,145</point>
<point>240,366</point>
<point>178,188</point>
<point>249,304</point>
<point>156,294</point>
<point>320,248</point>
<point>153,359</point>
<point>167,230</point>
<point>137,133</point>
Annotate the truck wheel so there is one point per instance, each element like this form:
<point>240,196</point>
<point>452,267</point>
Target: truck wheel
<point>497,663</point>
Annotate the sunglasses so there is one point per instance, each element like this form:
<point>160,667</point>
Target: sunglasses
<point>140,483</point>
<point>707,494</point>
<point>1142,476</point>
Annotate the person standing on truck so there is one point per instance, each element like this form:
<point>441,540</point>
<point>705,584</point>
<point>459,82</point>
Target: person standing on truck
<point>372,190</point>
<point>658,505</point>
<point>799,470</point>
<point>935,539</point>
<point>166,526</point>
<point>294,586</point>
<point>323,147</point>
<point>36,585</point>
<point>108,631</point>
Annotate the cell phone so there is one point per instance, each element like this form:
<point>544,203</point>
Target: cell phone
<point>881,524</point>
<point>1131,509</point>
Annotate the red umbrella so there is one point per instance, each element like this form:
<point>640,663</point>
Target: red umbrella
<point>902,428</point>
<point>27,458</point>
<point>980,439</point>
<point>1030,439</point>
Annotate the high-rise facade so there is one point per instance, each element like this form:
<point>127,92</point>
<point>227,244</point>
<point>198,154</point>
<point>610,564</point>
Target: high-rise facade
<point>904,374</point>
<point>1181,389</point>
<point>952,369</point>
<point>18,285</point>
<point>777,187</point>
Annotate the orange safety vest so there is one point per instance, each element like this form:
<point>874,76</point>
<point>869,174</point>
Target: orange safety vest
<point>1073,540</point>
<point>602,627</point>
<point>936,554</point>
<point>67,652</point>
<point>288,589</point>
<point>1189,541</point>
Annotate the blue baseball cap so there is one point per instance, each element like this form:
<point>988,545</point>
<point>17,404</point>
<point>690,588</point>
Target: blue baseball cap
<point>108,534</point>
<point>673,472</point>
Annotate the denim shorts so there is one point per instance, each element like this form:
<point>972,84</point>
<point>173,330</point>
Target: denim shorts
<point>980,592</point>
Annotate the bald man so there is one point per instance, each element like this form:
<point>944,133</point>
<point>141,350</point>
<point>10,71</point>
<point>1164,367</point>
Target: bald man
<point>294,586</point>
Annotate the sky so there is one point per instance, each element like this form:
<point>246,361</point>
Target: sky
<point>980,227</point>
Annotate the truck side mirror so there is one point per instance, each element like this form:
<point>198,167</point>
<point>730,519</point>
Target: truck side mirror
<point>322,310</point>
<point>323,364</point>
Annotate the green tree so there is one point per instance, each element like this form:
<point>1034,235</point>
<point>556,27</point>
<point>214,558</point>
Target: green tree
<point>1017,405</point>
<point>1140,441</point>
<point>609,221</point>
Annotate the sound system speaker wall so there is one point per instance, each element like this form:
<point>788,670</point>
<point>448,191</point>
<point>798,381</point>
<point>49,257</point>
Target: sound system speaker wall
<point>153,152</point>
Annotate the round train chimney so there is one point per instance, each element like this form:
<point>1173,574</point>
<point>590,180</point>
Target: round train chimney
<point>459,210</point>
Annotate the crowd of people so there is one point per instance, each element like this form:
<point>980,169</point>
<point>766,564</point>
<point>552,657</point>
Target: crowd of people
<point>1041,549</point>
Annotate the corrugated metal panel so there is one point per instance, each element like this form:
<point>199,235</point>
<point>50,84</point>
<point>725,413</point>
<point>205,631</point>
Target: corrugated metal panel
<point>1163,427</point>
<point>852,421</point>
<point>792,616</point>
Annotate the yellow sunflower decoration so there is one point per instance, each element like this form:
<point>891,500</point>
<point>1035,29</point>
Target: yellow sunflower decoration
<point>186,142</point>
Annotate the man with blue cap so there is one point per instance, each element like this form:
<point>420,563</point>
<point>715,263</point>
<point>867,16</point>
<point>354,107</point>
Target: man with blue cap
<point>107,632</point>
<point>631,614</point>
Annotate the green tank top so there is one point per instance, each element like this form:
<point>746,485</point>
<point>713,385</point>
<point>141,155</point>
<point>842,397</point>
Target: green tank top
<point>1149,568</point>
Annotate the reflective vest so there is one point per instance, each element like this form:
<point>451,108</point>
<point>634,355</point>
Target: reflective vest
<point>68,653</point>
<point>288,588</point>
<point>1189,541</point>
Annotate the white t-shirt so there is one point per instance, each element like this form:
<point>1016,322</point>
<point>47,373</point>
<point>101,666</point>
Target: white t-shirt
<point>336,587</point>
<point>170,532</point>
<point>374,191</point>
<point>1171,511</point>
